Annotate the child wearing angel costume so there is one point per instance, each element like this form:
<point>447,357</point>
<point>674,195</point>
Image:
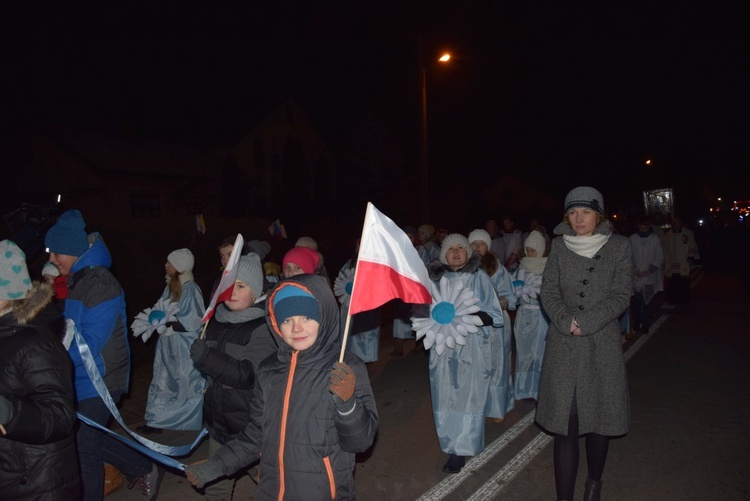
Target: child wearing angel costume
<point>468,381</point>
<point>175,396</point>
<point>531,322</point>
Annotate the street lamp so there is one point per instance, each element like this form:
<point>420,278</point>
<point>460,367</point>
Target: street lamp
<point>424,190</point>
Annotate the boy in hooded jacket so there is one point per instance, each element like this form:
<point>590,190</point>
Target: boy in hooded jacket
<point>310,413</point>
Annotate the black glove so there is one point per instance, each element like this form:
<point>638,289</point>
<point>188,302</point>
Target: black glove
<point>341,385</point>
<point>176,326</point>
<point>198,351</point>
<point>6,410</point>
<point>202,472</point>
<point>484,317</point>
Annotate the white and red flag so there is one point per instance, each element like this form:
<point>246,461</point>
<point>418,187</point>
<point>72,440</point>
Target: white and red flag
<point>388,266</point>
<point>225,288</point>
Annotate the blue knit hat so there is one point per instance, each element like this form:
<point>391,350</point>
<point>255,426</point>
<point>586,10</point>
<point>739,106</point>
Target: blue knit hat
<point>290,301</point>
<point>68,235</point>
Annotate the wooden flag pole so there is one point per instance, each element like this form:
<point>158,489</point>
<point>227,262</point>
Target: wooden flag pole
<point>205,326</point>
<point>354,286</point>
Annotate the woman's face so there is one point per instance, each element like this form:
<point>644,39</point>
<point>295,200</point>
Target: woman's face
<point>456,256</point>
<point>242,297</point>
<point>291,269</point>
<point>480,246</point>
<point>582,220</point>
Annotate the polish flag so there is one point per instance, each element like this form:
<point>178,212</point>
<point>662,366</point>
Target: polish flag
<point>388,266</point>
<point>225,288</point>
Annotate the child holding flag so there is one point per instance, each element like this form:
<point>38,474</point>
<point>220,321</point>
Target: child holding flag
<point>237,340</point>
<point>310,414</point>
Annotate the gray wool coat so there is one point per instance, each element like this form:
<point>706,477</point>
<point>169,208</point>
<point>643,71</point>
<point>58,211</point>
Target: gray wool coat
<point>595,291</point>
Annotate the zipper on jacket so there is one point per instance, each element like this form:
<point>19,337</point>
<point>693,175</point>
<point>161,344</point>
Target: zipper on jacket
<point>284,416</point>
<point>329,471</point>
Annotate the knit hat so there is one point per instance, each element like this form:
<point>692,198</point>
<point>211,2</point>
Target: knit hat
<point>260,247</point>
<point>50,269</point>
<point>307,242</point>
<point>291,300</point>
<point>480,235</point>
<point>585,196</point>
<point>182,260</point>
<point>250,271</point>
<point>450,241</point>
<point>68,235</point>
<point>307,259</point>
<point>427,228</point>
<point>536,241</point>
<point>14,276</point>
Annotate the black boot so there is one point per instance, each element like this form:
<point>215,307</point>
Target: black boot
<point>454,464</point>
<point>593,490</point>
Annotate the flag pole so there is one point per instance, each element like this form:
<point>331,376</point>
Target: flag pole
<point>354,285</point>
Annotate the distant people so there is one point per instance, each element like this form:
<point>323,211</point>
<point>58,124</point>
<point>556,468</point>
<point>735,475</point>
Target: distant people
<point>311,414</point>
<point>237,340</point>
<point>587,284</point>
<point>513,243</point>
<point>535,225</point>
<point>299,260</point>
<point>428,241</point>
<point>175,396</point>
<point>310,243</point>
<point>364,327</point>
<point>648,258</point>
<point>531,322</point>
<point>465,382</point>
<point>497,244</point>
<point>38,458</point>
<point>96,304</point>
<point>680,253</point>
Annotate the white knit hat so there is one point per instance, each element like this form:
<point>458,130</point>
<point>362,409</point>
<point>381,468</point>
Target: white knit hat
<point>182,260</point>
<point>50,269</point>
<point>450,241</point>
<point>14,276</point>
<point>480,235</point>
<point>536,241</point>
<point>307,242</point>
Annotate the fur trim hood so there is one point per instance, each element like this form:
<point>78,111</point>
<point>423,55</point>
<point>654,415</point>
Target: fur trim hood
<point>438,269</point>
<point>26,309</point>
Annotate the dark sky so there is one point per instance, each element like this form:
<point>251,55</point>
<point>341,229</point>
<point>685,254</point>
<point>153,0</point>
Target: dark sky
<point>555,94</point>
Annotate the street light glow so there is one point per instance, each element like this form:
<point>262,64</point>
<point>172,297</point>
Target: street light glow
<point>445,58</point>
<point>648,162</point>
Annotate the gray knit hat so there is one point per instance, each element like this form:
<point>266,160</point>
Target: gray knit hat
<point>14,276</point>
<point>450,241</point>
<point>585,196</point>
<point>250,271</point>
<point>182,260</point>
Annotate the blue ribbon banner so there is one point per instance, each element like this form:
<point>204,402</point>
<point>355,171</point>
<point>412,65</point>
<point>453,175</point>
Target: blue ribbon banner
<point>154,450</point>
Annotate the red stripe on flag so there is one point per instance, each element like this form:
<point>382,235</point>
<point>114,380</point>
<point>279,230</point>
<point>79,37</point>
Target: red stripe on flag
<point>378,283</point>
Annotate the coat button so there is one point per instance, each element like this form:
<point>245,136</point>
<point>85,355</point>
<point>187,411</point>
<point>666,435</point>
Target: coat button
<point>591,269</point>
<point>582,294</point>
<point>580,307</point>
<point>585,282</point>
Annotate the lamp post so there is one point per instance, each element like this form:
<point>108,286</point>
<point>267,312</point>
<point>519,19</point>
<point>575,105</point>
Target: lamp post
<point>424,170</point>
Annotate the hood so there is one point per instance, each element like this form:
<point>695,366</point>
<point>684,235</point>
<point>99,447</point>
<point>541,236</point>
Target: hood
<point>437,269</point>
<point>328,332</point>
<point>97,255</point>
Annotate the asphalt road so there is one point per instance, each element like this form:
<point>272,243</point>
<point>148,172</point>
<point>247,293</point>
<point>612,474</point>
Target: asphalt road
<point>690,402</point>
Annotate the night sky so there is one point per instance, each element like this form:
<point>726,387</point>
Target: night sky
<point>553,94</point>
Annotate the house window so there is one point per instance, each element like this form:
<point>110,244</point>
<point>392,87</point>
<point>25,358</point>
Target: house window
<point>144,204</point>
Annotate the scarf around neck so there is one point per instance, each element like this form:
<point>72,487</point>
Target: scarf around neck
<point>585,246</point>
<point>534,264</point>
<point>225,315</point>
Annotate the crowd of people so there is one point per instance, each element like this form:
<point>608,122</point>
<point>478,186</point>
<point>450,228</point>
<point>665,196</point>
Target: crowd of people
<point>264,378</point>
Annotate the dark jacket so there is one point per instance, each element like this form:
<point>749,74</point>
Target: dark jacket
<point>235,351</point>
<point>295,428</point>
<point>96,303</point>
<point>38,458</point>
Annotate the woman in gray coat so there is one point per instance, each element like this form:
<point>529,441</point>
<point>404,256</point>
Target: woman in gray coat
<point>583,389</point>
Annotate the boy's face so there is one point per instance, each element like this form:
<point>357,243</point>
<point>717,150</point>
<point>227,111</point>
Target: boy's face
<point>242,297</point>
<point>63,262</point>
<point>224,253</point>
<point>299,332</point>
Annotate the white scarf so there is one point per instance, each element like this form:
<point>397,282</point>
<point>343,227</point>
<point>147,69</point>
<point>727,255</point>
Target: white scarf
<point>585,246</point>
<point>534,264</point>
